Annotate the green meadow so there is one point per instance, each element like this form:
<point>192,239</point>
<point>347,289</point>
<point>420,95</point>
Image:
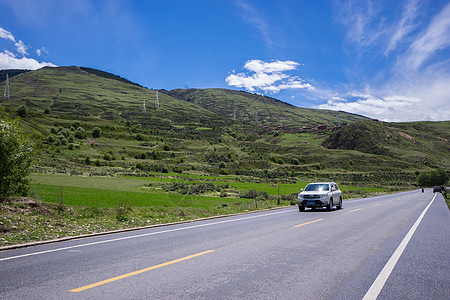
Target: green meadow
<point>108,192</point>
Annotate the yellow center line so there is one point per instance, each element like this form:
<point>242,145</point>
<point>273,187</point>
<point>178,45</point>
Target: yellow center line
<point>80,289</point>
<point>308,223</point>
<point>377,204</point>
<point>355,210</point>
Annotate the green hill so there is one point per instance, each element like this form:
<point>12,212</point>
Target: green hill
<point>194,131</point>
<point>270,112</point>
<point>415,142</point>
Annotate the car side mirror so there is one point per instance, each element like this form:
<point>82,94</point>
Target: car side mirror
<point>302,190</point>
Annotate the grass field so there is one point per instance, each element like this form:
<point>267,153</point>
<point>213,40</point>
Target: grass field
<point>107,192</point>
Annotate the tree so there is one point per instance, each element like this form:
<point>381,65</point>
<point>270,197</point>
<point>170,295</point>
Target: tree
<point>80,133</point>
<point>16,159</point>
<point>22,111</point>
<point>96,132</point>
<point>437,177</point>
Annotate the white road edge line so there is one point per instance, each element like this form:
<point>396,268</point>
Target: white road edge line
<point>378,284</point>
<point>141,235</point>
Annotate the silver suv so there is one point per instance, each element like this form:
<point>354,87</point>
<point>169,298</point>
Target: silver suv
<point>320,194</point>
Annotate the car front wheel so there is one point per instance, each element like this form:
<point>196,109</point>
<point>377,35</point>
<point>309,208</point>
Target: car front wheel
<point>340,204</point>
<point>301,208</point>
<point>330,205</point>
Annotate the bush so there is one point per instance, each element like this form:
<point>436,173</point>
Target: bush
<point>16,157</point>
<point>22,111</point>
<point>80,133</point>
<point>250,194</point>
<point>96,132</point>
<point>433,178</point>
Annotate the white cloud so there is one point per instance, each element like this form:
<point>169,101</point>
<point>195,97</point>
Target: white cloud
<point>258,66</point>
<point>4,34</point>
<point>39,52</point>
<point>410,80</point>
<point>268,77</point>
<point>21,48</point>
<point>250,15</point>
<point>405,25</point>
<point>394,108</point>
<point>360,20</point>
<point>436,37</point>
<point>9,53</point>
<point>9,61</point>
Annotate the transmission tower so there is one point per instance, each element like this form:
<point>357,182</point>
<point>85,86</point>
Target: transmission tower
<point>143,107</point>
<point>6,94</point>
<point>234,114</point>
<point>256,115</point>
<point>281,121</point>
<point>156,101</point>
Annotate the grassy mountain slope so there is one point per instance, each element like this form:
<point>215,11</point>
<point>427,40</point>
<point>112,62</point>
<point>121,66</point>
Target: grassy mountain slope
<point>269,110</point>
<point>75,92</point>
<point>415,142</point>
<point>193,131</point>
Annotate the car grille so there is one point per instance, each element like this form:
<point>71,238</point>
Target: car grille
<point>311,196</point>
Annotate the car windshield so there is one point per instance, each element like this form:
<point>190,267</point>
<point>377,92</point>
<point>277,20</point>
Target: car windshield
<point>317,187</point>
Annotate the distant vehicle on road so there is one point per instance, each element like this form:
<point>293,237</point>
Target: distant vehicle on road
<point>320,194</point>
<point>439,189</point>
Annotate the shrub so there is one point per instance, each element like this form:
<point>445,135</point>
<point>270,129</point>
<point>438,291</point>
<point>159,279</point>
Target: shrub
<point>16,157</point>
<point>22,111</point>
<point>250,194</point>
<point>96,132</point>
<point>80,133</point>
<point>433,178</point>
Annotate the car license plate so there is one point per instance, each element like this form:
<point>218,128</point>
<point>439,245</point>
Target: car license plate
<point>310,203</point>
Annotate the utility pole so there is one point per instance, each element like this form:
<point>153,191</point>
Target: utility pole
<point>6,94</point>
<point>156,101</point>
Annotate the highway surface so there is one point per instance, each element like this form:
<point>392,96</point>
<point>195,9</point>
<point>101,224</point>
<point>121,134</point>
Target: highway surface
<point>385,247</point>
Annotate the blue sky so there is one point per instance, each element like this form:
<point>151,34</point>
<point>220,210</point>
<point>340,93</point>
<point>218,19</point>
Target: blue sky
<point>388,60</point>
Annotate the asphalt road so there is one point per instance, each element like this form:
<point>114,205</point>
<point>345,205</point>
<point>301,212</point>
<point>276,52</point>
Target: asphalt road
<point>280,254</point>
